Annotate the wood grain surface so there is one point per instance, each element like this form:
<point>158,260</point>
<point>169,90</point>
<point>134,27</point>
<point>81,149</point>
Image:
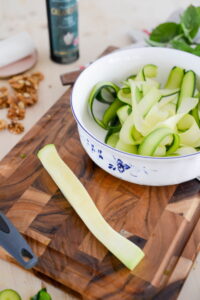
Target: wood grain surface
<point>161,220</point>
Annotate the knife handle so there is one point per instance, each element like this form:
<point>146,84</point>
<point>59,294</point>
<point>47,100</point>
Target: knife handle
<point>13,242</point>
<point>70,77</point>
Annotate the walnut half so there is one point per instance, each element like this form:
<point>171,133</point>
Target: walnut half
<point>3,124</point>
<point>16,110</point>
<point>4,97</point>
<point>15,127</point>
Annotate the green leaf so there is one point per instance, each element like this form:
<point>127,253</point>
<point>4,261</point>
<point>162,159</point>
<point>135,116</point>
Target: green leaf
<point>190,22</point>
<point>41,295</point>
<point>179,36</point>
<point>198,10</point>
<point>165,32</point>
<point>196,50</point>
<point>181,45</point>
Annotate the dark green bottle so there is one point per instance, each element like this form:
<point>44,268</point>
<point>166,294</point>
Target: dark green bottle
<point>63,30</point>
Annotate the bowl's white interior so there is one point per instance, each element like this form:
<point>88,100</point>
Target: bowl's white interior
<point>116,67</point>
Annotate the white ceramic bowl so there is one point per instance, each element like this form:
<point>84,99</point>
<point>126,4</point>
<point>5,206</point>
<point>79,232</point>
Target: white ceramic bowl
<point>133,168</point>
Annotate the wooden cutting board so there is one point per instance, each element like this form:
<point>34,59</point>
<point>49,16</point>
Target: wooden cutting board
<point>161,220</point>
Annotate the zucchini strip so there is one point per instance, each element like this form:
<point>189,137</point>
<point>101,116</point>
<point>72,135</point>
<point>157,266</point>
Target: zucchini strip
<point>124,97</point>
<point>153,140</point>
<point>148,84</point>
<point>174,146</point>
<point>111,131</point>
<point>190,134</point>
<point>125,134</point>
<point>186,150</point>
<point>155,115</point>
<point>160,151</point>
<point>112,139</point>
<point>126,251</point>
<point>123,113</point>
<point>187,104</point>
<point>150,99</point>
<point>188,86</point>
<point>8,294</point>
<point>126,147</point>
<point>148,71</point>
<point>106,95</point>
<point>111,112</point>
<point>168,92</point>
<point>195,114</point>
<point>138,120</point>
<point>175,78</point>
<point>168,99</point>
<point>93,94</point>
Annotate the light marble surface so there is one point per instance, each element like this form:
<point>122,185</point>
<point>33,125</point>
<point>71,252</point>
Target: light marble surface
<point>102,23</point>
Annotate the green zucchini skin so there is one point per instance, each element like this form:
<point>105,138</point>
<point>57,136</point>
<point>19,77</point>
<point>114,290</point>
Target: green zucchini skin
<point>148,71</point>
<point>112,139</point>
<point>93,95</point>
<point>9,294</point>
<point>188,86</point>
<point>124,97</point>
<point>111,112</point>
<point>174,146</point>
<point>106,95</point>
<point>152,141</point>
<point>195,114</point>
<point>146,107</point>
<point>175,78</point>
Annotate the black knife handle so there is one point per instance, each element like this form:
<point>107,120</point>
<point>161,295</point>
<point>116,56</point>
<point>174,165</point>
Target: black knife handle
<point>13,242</point>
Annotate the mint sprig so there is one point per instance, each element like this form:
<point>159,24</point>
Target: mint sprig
<point>181,35</point>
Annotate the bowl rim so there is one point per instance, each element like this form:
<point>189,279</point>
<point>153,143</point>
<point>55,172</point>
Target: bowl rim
<point>137,156</point>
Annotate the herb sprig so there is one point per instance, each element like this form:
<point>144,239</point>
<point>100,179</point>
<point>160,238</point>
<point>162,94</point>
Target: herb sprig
<point>42,295</point>
<point>179,35</point>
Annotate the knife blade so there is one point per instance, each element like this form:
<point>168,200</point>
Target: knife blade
<point>13,242</point>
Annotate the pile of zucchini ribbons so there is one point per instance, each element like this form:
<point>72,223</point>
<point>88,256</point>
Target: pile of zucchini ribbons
<point>145,118</point>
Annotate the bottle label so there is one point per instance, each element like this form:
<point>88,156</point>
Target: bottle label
<point>64,27</point>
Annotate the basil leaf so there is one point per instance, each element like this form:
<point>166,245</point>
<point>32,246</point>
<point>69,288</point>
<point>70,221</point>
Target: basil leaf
<point>165,32</point>
<point>190,22</point>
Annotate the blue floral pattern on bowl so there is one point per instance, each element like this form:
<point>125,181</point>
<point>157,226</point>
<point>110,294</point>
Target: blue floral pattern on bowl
<point>120,166</point>
<point>114,165</point>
